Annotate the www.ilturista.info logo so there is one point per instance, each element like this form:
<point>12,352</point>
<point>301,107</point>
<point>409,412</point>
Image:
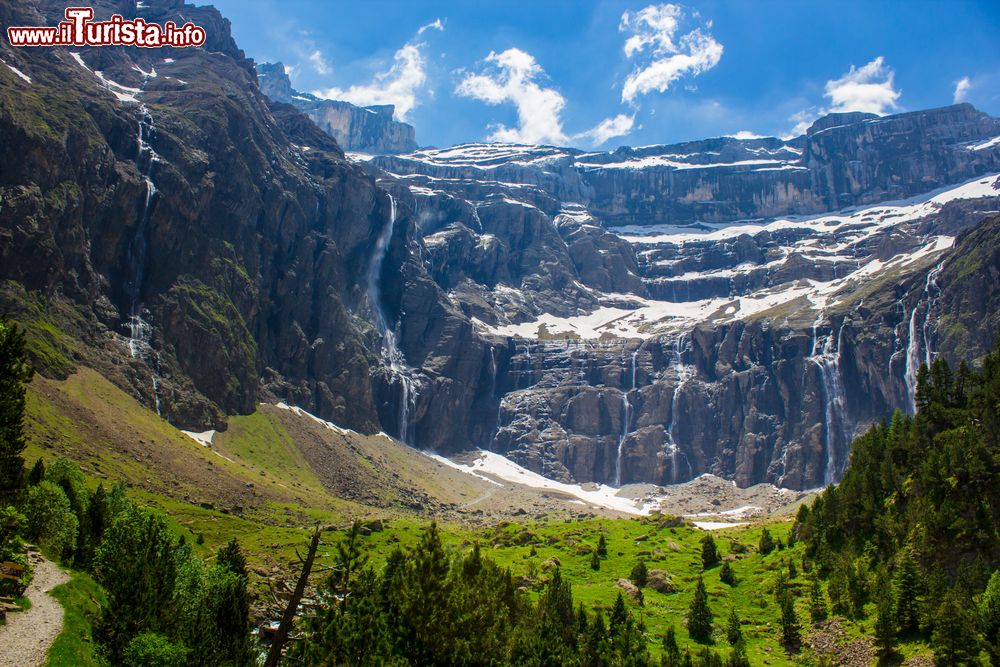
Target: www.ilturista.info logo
<point>80,30</point>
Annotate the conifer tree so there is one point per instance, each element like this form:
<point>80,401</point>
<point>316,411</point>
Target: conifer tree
<point>700,615</point>
<point>37,473</point>
<point>640,574</point>
<point>602,547</point>
<point>595,560</point>
<point>817,602</point>
<point>726,574</point>
<point>709,552</point>
<point>766,544</point>
<point>15,373</point>
<point>906,594</point>
<point>954,639</point>
<point>885,629</point>
<point>789,622</point>
<point>989,617</point>
<point>671,652</point>
<point>734,632</point>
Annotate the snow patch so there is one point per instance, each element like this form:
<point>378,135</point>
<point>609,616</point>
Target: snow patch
<point>204,438</point>
<point>281,405</point>
<point>16,71</point>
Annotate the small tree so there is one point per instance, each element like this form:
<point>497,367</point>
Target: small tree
<point>37,473</point>
<point>792,572</point>
<point>734,632</point>
<point>595,560</point>
<point>671,652</point>
<point>766,544</point>
<point>789,622</point>
<point>50,519</point>
<point>640,574</point>
<point>817,602</point>
<point>700,615</point>
<point>885,630</point>
<point>906,594</point>
<point>954,639</point>
<point>726,574</point>
<point>602,547</point>
<point>989,617</point>
<point>709,552</point>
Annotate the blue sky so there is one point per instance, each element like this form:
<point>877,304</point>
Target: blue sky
<point>610,73</point>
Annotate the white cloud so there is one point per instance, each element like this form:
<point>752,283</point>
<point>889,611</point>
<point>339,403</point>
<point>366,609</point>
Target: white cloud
<point>319,62</point>
<point>802,119</point>
<point>868,88</point>
<point>961,89</point>
<point>398,85</point>
<point>515,81</point>
<point>608,128</point>
<point>665,56</point>
<point>436,24</point>
<point>745,134</point>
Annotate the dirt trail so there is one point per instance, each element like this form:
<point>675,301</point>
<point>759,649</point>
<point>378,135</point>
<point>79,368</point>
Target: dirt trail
<point>25,640</point>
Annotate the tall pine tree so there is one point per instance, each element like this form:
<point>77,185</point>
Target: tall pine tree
<point>15,373</point>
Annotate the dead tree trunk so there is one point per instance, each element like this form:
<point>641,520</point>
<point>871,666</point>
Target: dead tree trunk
<point>281,636</point>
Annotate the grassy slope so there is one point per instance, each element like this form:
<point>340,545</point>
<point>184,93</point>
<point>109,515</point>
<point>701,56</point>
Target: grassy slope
<point>114,438</point>
<point>82,598</point>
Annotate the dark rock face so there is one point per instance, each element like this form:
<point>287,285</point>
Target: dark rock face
<point>362,129</point>
<point>208,249</point>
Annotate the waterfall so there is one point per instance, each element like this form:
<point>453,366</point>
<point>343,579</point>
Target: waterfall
<point>626,419</point>
<point>391,354</point>
<point>827,360</point>
<point>913,360</point>
<point>683,374</point>
<point>139,329</point>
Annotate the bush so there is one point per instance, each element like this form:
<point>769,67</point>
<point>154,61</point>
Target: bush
<point>152,650</point>
<point>640,574</point>
<point>50,519</point>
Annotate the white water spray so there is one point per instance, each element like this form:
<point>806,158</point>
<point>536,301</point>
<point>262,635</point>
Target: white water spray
<point>827,360</point>
<point>626,420</point>
<point>682,375</point>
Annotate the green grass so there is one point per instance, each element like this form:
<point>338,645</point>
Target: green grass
<point>82,599</point>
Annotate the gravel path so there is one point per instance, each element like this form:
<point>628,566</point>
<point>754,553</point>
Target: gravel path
<point>25,640</point>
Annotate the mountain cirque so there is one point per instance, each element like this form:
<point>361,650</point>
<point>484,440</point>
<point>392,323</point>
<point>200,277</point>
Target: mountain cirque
<point>738,307</point>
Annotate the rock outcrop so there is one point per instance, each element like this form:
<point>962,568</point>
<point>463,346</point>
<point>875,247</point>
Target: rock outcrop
<point>361,129</point>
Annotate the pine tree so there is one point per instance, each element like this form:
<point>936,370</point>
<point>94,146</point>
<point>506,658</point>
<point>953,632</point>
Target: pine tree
<point>15,373</point>
<point>954,639</point>
<point>726,574</point>
<point>37,473</point>
<point>885,630</point>
<point>906,594</point>
<point>789,622</point>
<point>766,544</point>
<point>734,632</point>
<point>602,547</point>
<point>989,617</point>
<point>738,658</point>
<point>792,572</point>
<point>671,652</point>
<point>709,552</point>
<point>817,602</point>
<point>640,574</point>
<point>700,615</point>
<point>595,560</point>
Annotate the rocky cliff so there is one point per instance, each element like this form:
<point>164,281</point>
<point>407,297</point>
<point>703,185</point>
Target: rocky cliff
<point>207,248</point>
<point>361,129</point>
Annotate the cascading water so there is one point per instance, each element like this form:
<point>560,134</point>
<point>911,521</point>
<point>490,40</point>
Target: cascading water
<point>827,360</point>
<point>683,374</point>
<point>391,354</point>
<point>139,329</point>
<point>626,419</point>
<point>913,356</point>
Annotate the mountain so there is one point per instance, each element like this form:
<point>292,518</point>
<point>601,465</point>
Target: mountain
<point>361,129</point>
<point>647,315</point>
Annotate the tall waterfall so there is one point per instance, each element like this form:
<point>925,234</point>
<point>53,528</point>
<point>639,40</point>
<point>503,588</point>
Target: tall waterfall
<point>826,357</point>
<point>393,357</point>
<point>626,419</point>
<point>682,374</point>
<point>140,331</point>
<point>915,339</point>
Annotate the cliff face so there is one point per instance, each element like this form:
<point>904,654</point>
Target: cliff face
<point>360,129</point>
<point>208,248</point>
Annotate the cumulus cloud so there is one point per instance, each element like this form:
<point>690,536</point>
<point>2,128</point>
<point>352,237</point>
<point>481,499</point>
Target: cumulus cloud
<point>608,128</point>
<point>868,88</point>
<point>961,89</point>
<point>513,78</point>
<point>319,62</point>
<point>664,55</point>
<point>399,85</point>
